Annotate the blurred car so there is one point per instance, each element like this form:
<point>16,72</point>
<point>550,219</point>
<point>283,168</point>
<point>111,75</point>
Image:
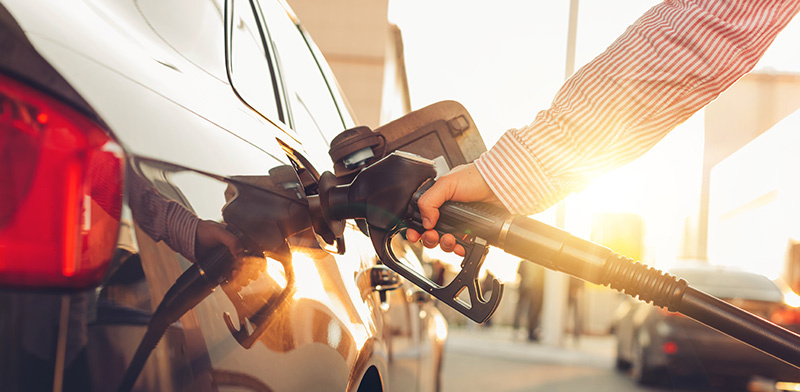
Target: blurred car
<point>654,343</point>
<point>130,132</point>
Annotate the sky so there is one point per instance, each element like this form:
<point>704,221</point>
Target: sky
<point>504,60</point>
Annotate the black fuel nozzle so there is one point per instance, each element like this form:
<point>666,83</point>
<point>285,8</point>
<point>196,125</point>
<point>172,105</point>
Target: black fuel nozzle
<point>385,195</point>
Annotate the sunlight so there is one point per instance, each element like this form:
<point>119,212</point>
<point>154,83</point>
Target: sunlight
<point>792,299</point>
<point>307,279</point>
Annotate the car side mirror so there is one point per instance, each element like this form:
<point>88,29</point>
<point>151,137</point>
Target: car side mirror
<point>378,278</point>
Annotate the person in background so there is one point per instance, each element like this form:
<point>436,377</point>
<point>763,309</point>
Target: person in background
<point>574,310</point>
<point>531,295</point>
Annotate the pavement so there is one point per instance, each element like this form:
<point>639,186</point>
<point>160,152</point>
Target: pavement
<point>503,342</point>
<point>585,364</point>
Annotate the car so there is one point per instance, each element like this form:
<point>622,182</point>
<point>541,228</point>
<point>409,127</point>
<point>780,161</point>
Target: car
<point>142,145</point>
<point>654,343</point>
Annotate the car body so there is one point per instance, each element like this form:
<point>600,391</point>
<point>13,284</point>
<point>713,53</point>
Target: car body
<point>176,115</point>
<point>653,342</point>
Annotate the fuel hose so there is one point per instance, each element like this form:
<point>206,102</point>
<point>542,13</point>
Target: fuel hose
<point>558,250</point>
<point>191,288</point>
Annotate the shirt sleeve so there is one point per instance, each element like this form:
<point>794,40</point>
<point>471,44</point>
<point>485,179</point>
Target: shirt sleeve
<point>678,57</point>
<point>162,219</point>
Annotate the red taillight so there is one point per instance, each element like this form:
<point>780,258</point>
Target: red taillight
<point>60,192</point>
<point>669,348</point>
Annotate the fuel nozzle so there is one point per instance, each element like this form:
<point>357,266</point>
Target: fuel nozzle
<point>385,195</point>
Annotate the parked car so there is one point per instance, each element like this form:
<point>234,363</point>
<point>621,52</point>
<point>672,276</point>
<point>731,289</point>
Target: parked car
<point>139,139</point>
<point>654,343</point>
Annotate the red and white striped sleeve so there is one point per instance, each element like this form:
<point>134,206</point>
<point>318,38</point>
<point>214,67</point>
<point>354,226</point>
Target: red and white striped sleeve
<point>675,59</point>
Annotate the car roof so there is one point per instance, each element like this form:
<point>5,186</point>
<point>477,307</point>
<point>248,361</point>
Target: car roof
<point>730,283</point>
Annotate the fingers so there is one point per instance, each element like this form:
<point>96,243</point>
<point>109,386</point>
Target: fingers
<point>431,200</point>
<point>464,183</point>
<point>223,236</point>
<point>429,204</point>
<point>448,244</point>
<point>430,239</point>
<point>227,238</point>
<point>210,234</point>
<point>412,235</point>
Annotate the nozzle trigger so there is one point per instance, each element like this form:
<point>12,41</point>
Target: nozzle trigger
<point>479,309</point>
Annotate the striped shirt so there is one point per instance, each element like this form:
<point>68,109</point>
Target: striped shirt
<point>162,219</point>
<point>678,57</point>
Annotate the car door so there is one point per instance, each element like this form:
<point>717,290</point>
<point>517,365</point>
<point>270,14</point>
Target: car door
<point>191,146</point>
<point>317,114</point>
<point>329,308</point>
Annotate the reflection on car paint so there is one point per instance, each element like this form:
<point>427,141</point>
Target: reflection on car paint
<point>287,305</point>
<point>191,145</point>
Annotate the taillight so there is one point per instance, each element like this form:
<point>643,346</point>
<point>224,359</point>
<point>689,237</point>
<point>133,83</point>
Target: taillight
<point>669,348</point>
<point>60,192</point>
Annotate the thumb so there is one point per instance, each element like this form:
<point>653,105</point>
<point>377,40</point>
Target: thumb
<point>431,200</point>
<point>228,239</point>
<point>210,234</point>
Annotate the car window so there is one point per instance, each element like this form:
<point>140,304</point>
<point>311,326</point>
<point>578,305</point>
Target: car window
<point>314,113</point>
<point>327,73</point>
<point>250,71</point>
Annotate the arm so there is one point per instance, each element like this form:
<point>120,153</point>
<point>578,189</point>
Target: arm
<point>166,220</point>
<point>674,60</point>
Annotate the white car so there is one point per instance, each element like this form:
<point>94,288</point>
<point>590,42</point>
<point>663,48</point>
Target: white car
<point>131,134</point>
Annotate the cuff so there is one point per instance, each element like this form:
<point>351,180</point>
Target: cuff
<point>517,177</point>
<point>181,230</point>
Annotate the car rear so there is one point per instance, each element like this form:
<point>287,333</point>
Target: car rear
<point>689,347</point>
<point>80,269</point>
<point>61,198</point>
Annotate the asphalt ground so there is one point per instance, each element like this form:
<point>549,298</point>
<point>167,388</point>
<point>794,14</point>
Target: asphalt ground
<point>505,343</point>
<point>499,359</point>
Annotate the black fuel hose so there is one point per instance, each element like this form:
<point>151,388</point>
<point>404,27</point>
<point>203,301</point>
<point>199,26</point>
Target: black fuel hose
<point>385,194</point>
<point>192,287</point>
<point>558,250</point>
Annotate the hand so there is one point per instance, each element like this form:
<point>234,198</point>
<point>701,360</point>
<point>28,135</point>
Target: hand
<point>464,184</point>
<point>247,268</point>
<point>210,234</point>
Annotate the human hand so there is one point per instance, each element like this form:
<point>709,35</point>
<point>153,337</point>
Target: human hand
<point>246,268</point>
<point>464,184</point>
<point>211,234</point>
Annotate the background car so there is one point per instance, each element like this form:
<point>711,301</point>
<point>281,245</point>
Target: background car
<point>134,138</point>
<point>654,343</point>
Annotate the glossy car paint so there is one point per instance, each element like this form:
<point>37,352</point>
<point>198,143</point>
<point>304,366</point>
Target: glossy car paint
<point>154,73</point>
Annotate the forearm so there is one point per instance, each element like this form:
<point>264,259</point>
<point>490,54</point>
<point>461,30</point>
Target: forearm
<point>162,219</point>
<point>673,61</point>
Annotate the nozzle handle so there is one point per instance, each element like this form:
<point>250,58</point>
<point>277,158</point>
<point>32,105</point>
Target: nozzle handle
<point>464,220</point>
